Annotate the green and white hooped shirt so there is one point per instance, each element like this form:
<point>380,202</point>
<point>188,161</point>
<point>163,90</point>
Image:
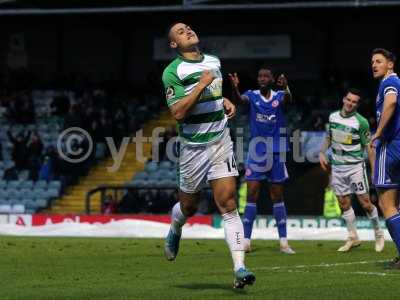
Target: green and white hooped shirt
<point>207,120</point>
<point>349,136</point>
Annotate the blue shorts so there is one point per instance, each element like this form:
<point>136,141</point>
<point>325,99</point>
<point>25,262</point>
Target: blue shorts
<point>387,165</point>
<point>272,169</point>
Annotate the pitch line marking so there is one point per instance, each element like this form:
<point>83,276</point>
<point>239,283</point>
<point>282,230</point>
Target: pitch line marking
<point>346,273</point>
<point>322,265</point>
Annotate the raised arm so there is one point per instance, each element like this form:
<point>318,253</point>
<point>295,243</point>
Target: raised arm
<point>282,84</point>
<point>236,96</point>
<point>179,104</point>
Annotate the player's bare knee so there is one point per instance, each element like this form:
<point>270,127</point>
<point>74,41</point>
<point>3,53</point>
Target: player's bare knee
<point>344,206</point>
<point>227,205</point>
<point>276,196</point>
<point>367,207</point>
<point>383,206</point>
<point>188,209</point>
<point>252,196</point>
<point>276,193</point>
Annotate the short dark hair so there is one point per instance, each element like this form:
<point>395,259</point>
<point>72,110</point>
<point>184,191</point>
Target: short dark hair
<point>265,67</point>
<point>169,29</point>
<point>355,91</point>
<point>386,53</point>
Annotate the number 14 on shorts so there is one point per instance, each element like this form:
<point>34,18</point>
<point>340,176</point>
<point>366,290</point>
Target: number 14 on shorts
<point>231,163</point>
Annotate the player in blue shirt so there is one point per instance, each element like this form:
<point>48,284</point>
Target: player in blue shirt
<point>386,140</point>
<point>268,142</point>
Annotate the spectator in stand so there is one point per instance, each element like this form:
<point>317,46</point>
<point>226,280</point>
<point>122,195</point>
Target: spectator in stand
<point>20,149</point>
<point>46,170</point>
<point>119,125</point>
<point>131,202</point>
<point>89,118</point>
<point>109,206</point>
<point>35,150</point>
<point>11,174</point>
<point>60,106</point>
<point>96,132</point>
<point>73,118</point>
<point>20,108</point>
<point>318,123</point>
<point>372,123</point>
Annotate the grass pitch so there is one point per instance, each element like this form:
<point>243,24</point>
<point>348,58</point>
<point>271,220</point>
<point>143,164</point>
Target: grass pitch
<point>97,268</point>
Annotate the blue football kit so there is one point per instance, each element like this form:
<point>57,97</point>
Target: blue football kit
<point>268,137</point>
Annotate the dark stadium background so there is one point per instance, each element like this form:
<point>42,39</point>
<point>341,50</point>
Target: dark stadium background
<point>74,46</point>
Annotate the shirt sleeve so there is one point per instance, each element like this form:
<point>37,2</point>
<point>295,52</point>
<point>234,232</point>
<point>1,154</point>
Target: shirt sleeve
<point>328,128</point>
<point>280,96</point>
<point>365,133</point>
<point>390,88</point>
<point>249,94</point>
<point>174,90</point>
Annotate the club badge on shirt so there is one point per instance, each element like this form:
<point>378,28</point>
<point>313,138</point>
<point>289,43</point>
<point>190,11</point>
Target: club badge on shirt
<point>170,92</point>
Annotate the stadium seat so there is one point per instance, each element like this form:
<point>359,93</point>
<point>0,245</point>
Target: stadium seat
<point>31,204</point>
<point>30,211</point>
<point>139,183</point>
<point>100,150</point>
<point>3,184</point>
<point>13,184</point>
<point>5,127</point>
<point>41,184</point>
<point>26,199</point>
<point>54,126</point>
<point>8,164</point>
<point>3,194</point>
<point>140,176</point>
<point>43,127</point>
<point>31,127</point>
<point>6,156</point>
<point>13,193</point>
<point>27,184</point>
<point>23,175</point>
<point>52,193</point>
<point>169,192</point>
<point>12,201</point>
<point>173,175</point>
<point>39,193</point>
<point>18,209</point>
<point>151,167</point>
<point>5,208</point>
<point>155,176</point>
<point>54,184</point>
<point>142,192</point>
<point>41,203</point>
<point>173,183</point>
<point>163,174</point>
<point>165,165</point>
<point>165,183</point>
<point>25,193</point>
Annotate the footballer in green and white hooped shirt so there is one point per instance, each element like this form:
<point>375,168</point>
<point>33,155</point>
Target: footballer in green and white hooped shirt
<point>193,89</point>
<point>349,136</point>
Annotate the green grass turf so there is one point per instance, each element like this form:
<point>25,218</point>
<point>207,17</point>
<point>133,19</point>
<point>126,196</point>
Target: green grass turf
<point>98,268</point>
